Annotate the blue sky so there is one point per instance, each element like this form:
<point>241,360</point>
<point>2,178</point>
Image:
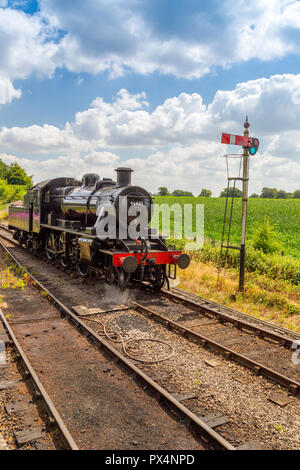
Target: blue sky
<point>152,84</point>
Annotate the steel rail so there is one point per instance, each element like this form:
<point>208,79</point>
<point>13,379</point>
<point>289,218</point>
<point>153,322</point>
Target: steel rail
<point>257,367</point>
<point>232,311</point>
<point>215,309</point>
<point>40,390</point>
<point>102,343</point>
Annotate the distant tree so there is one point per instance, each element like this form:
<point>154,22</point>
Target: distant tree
<point>296,194</point>
<point>282,194</point>
<point>269,193</point>
<point>232,192</point>
<point>205,193</point>
<point>3,169</point>
<point>254,195</point>
<point>162,191</point>
<point>179,192</point>
<point>16,175</point>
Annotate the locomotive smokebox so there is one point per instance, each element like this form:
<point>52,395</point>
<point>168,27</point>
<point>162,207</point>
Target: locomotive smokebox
<point>124,176</point>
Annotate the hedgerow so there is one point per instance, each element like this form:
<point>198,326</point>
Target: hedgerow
<point>273,265</point>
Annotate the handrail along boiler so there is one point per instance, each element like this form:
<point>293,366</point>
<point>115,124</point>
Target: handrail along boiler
<point>60,217</point>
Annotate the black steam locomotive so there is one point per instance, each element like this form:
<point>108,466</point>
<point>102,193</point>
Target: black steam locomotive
<point>62,218</point>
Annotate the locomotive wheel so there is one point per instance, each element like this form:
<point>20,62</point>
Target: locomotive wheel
<point>83,269</point>
<point>65,263</point>
<point>50,245</point>
<point>35,246</point>
<point>156,276</point>
<point>118,277</point>
<point>21,239</point>
<point>123,279</point>
<point>29,244</point>
<point>112,275</point>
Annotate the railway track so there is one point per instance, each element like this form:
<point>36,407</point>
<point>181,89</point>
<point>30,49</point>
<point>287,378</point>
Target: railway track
<point>247,322</point>
<point>30,327</point>
<point>39,393</point>
<point>259,349</point>
<point>193,310</point>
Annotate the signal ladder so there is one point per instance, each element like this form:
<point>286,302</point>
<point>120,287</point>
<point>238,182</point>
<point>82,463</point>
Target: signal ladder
<point>228,214</point>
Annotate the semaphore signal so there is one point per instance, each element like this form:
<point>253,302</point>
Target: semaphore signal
<point>250,147</point>
<point>252,143</point>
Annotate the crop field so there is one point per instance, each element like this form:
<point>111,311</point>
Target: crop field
<point>284,214</point>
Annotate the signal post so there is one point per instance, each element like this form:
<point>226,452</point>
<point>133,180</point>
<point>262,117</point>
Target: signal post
<point>250,147</point>
<point>244,209</point>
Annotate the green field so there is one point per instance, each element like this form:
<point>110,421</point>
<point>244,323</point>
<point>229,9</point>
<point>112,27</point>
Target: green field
<point>283,213</point>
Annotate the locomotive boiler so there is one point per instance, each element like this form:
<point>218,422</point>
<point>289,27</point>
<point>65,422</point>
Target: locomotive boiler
<point>89,225</point>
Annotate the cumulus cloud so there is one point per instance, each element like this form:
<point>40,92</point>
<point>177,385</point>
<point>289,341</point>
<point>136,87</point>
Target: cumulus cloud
<point>7,91</point>
<point>25,49</point>
<point>42,140</point>
<point>159,36</point>
<point>184,119</point>
<point>175,144</point>
<point>74,165</point>
<point>143,37</point>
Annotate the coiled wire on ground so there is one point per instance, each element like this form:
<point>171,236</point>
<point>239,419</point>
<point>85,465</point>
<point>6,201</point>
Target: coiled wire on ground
<point>116,337</point>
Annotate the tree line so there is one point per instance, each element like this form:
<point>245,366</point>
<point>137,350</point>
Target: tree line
<point>14,174</point>
<point>163,191</point>
<point>266,193</point>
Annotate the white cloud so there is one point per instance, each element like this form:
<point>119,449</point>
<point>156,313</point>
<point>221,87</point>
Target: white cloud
<point>25,49</point>
<point>74,165</point>
<point>117,36</point>
<point>175,144</point>
<point>7,91</point>
<point>42,140</point>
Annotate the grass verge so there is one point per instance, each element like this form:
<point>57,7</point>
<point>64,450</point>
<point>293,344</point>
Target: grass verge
<point>277,301</point>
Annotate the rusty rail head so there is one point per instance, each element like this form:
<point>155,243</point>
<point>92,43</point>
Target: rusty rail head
<point>66,435</point>
<point>214,309</point>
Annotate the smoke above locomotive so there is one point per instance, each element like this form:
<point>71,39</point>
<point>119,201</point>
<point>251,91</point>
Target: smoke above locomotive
<point>99,226</point>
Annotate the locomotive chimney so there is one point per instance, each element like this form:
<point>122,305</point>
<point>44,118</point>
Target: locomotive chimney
<point>124,176</point>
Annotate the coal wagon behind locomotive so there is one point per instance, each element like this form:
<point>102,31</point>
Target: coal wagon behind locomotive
<point>61,218</point>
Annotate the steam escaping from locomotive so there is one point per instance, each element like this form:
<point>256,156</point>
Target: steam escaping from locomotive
<point>98,226</point>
